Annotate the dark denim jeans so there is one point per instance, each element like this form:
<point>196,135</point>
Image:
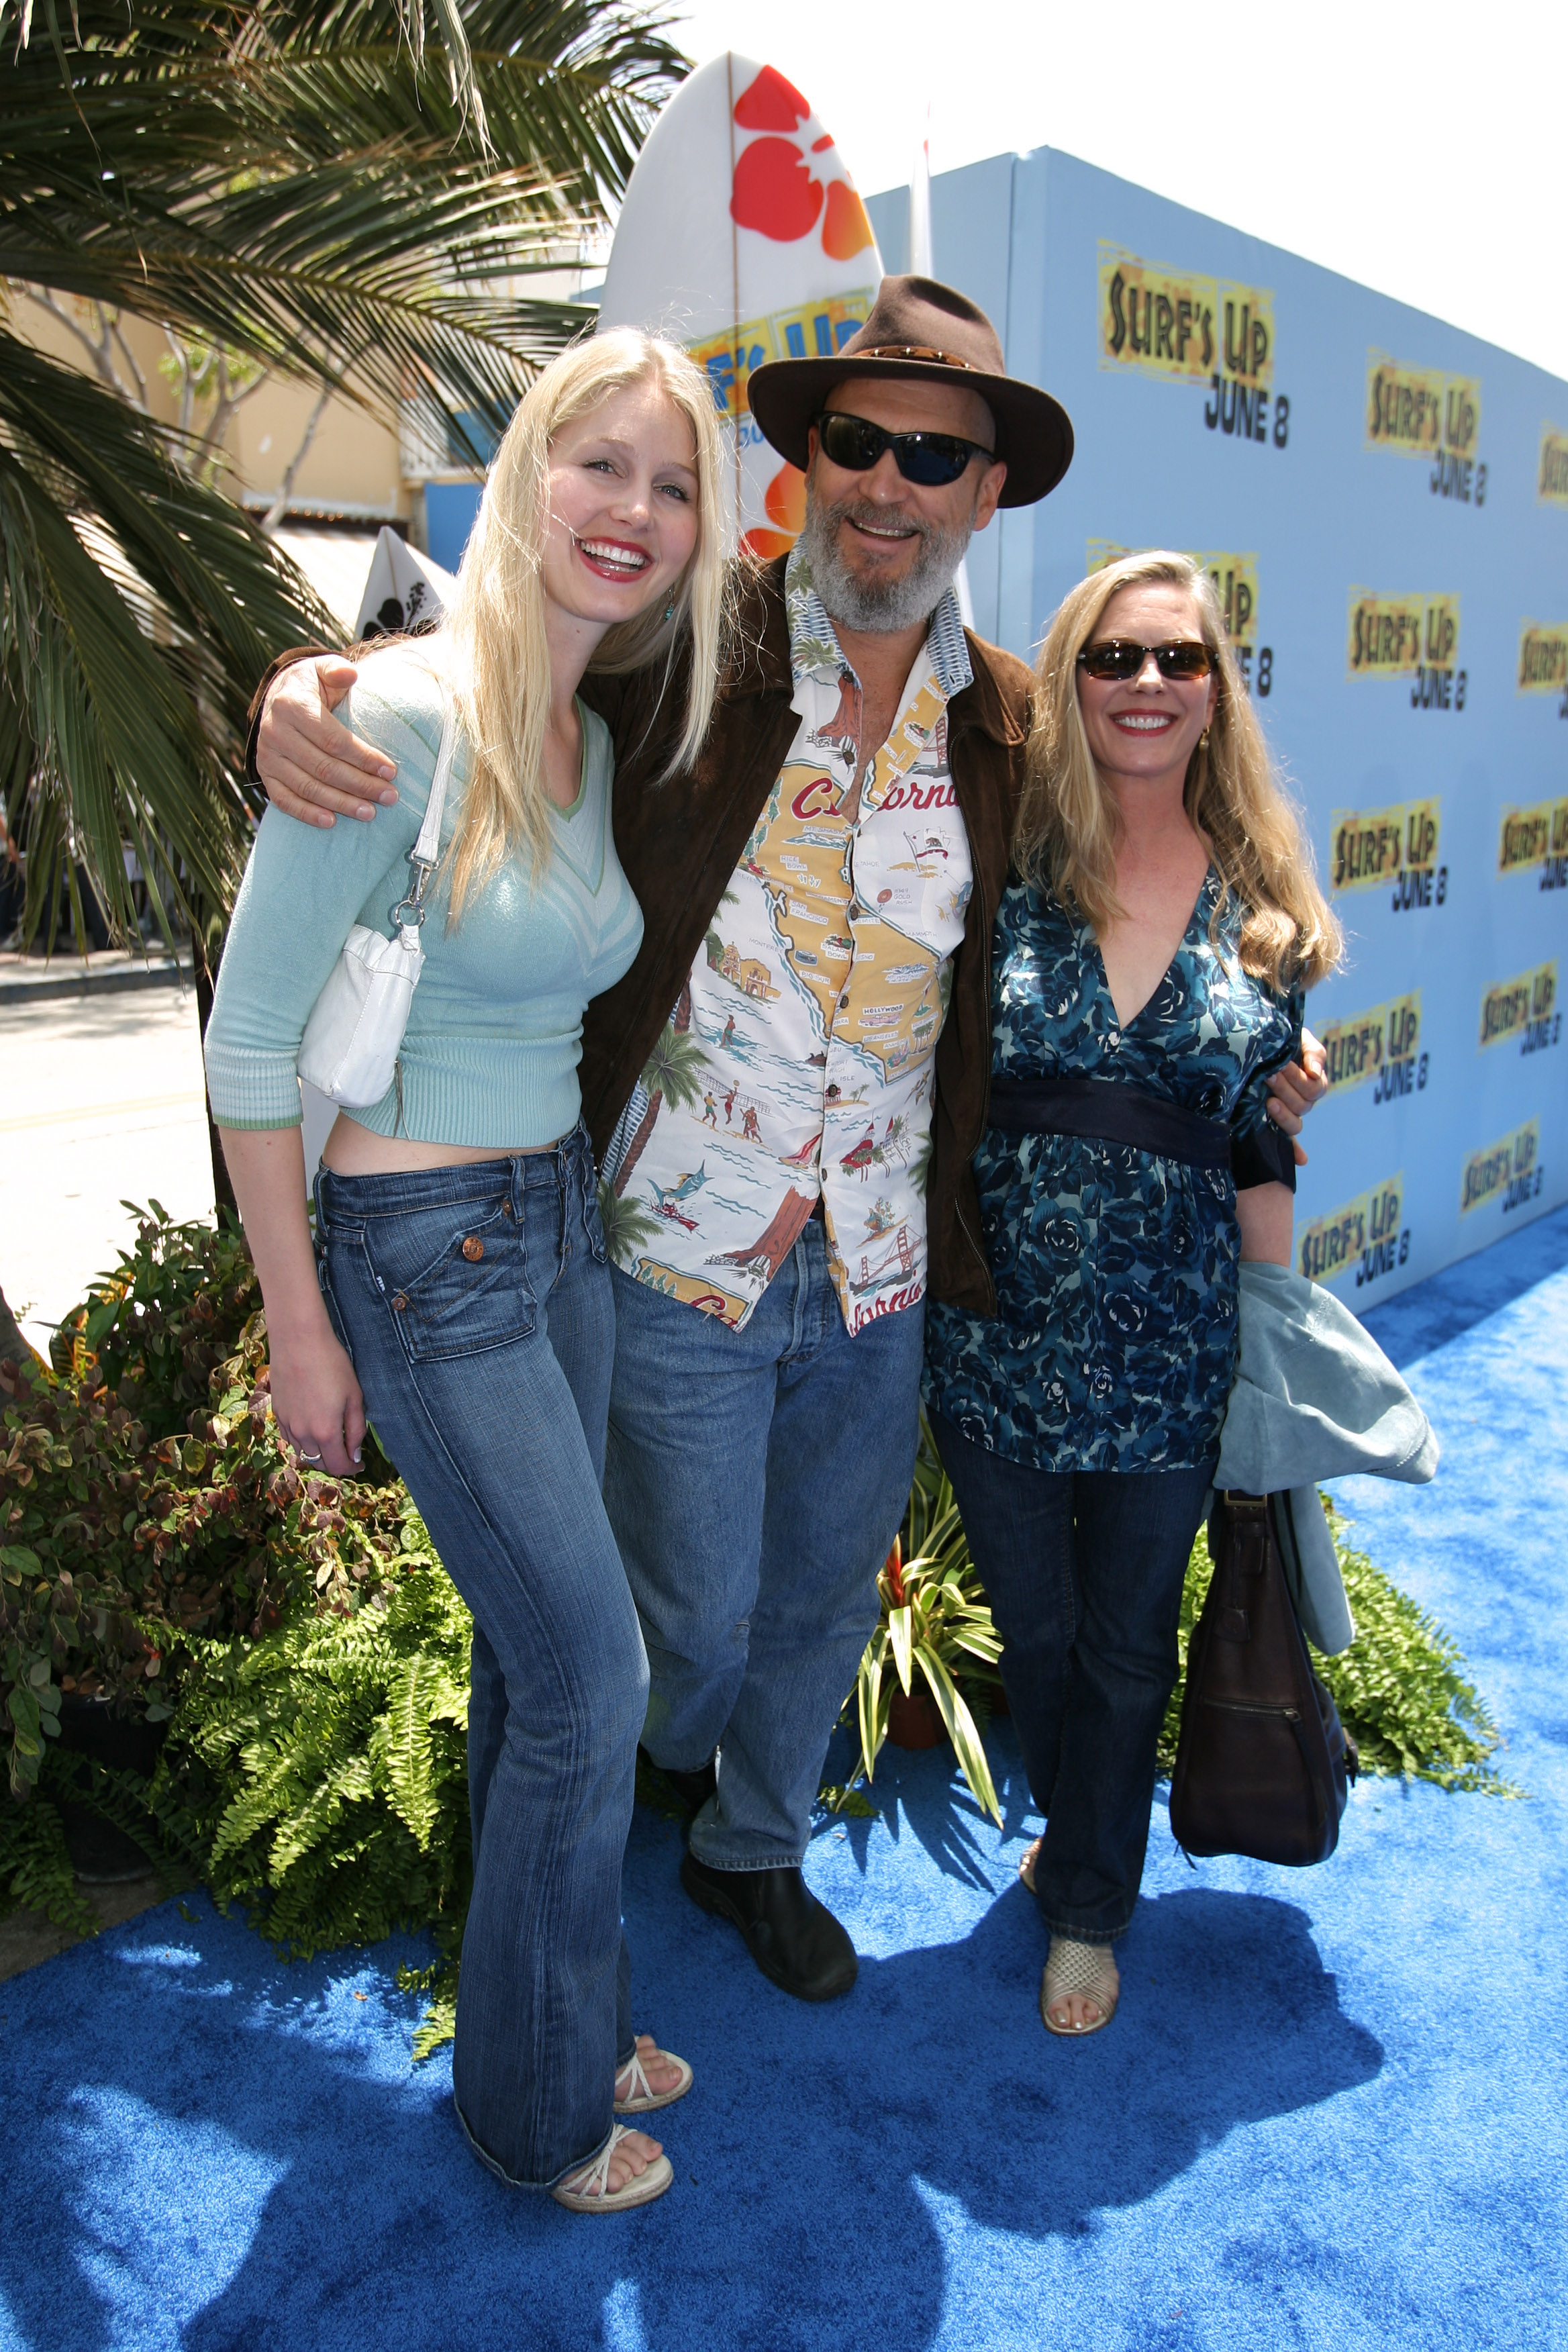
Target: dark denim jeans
<point>755,1480</point>
<point>474,1302</point>
<point>1084,1571</point>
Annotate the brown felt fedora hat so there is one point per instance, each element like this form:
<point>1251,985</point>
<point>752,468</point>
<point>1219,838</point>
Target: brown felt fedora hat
<point>937,335</point>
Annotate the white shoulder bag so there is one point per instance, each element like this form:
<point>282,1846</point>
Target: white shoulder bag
<point>354,1033</point>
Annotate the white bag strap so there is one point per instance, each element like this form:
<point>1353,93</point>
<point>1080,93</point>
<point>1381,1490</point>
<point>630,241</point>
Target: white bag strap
<point>409,912</point>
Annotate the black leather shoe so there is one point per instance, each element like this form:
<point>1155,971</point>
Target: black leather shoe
<point>794,1939</point>
<point>693,1788</point>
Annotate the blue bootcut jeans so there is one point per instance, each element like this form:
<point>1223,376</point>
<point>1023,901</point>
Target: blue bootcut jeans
<point>475,1303</point>
<point>1084,1570</point>
<point>755,1480</point>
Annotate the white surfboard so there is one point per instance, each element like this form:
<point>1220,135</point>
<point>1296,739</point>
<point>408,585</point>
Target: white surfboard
<point>743,237</point>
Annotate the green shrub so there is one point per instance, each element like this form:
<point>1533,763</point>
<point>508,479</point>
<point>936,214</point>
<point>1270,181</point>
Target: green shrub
<point>156,1328</point>
<point>147,1503</point>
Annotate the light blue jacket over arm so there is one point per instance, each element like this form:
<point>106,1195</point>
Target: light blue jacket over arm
<point>1315,1397</point>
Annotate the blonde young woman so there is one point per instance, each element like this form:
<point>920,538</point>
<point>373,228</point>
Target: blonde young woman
<point>455,1290</point>
<point>1149,961</point>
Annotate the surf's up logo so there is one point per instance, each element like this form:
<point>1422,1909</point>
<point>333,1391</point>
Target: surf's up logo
<point>1383,1045</point>
<point>1543,659</point>
<point>1172,323</point>
<point>1378,844</point>
<point>1551,481</point>
<point>1234,579</point>
<point>1394,636</point>
<point>1535,836</point>
<point>817,331</point>
<point>1417,411</point>
<point>1366,1234</point>
<point>1508,1171</point>
<point>1521,1007</point>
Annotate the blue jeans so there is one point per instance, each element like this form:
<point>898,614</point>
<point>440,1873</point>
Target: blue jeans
<point>755,1480</point>
<point>474,1302</point>
<point>1084,1570</point>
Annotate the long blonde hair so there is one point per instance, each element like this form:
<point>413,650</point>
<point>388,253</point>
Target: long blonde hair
<point>494,627</point>
<point>1069,826</point>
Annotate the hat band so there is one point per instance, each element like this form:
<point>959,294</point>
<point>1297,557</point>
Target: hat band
<point>909,351</point>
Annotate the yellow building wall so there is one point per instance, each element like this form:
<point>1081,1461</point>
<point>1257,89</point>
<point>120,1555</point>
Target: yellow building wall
<point>352,460</point>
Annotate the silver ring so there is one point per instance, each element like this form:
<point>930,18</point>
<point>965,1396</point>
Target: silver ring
<point>308,1457</point>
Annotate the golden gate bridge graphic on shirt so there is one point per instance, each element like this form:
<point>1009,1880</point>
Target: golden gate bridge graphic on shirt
<point>899,1256</point>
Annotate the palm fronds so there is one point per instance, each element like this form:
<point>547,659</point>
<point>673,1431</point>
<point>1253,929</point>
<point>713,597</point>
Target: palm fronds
<point>136,606</point>
<point>355,194</point>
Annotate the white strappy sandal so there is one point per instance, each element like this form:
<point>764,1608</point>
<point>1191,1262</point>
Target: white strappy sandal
<point>641,2097</point>
<point>589,2191</point>
<point>1087,1970</point>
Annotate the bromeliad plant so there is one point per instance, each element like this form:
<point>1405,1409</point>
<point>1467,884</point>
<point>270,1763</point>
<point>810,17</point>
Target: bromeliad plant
<point>935,1618</point>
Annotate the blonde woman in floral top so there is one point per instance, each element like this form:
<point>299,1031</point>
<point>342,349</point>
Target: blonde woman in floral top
<point>1149,962</point>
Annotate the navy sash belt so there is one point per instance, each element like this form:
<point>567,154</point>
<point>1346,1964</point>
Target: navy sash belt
<point>1105,1111</point>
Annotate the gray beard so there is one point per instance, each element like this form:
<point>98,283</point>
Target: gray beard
<point>878,607</point>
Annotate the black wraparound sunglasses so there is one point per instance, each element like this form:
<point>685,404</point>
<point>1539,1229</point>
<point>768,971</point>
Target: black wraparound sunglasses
<point>928,458</point>
<point>1119,657</point>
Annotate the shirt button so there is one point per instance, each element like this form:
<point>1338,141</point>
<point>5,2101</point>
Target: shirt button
<point>833,1093</point>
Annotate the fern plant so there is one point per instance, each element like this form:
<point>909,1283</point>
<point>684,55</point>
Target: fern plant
<point>319,1778</point>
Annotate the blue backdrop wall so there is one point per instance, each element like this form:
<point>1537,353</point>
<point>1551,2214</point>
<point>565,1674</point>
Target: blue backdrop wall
<point>1382,503</point>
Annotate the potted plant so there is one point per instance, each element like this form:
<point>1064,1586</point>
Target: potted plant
<point>935,1618</point>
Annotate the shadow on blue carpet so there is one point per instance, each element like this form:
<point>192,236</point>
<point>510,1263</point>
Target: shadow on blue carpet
<point>1330,2110</point>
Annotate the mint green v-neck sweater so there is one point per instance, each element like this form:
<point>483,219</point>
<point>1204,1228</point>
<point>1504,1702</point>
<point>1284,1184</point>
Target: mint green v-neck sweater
<point>494,1036</point>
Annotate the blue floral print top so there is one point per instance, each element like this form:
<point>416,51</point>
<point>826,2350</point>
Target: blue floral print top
<point>1113,1346</point>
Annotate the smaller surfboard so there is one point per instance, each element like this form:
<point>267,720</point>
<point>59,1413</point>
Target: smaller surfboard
<point>405,589</point>
<point>743,237</point>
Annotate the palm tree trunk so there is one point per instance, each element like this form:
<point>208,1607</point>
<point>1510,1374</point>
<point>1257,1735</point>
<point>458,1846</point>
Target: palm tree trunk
<point>223,1190</point>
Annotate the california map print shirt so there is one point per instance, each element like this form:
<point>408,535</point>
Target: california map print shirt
<point>799,1060</point>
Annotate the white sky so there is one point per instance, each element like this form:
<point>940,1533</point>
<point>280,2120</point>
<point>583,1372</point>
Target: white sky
<point>1410,148</point>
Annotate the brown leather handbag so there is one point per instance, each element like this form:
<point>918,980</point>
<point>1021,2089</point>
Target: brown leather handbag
<point>1263,1760</point>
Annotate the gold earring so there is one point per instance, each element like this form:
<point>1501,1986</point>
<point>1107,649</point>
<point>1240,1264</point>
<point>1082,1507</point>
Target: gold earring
<point>1204,741</point>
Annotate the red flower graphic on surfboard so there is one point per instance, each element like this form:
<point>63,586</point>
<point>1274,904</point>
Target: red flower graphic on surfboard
<point>743,237</point>
<point>779,186</point>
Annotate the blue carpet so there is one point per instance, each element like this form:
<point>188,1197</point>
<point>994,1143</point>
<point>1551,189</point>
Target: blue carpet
<point>1330,2111</point>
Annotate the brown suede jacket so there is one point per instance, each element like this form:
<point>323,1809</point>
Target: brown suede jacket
<point>681,841</point>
